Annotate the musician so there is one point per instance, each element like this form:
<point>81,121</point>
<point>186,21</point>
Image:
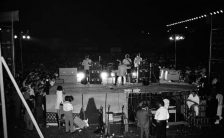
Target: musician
<point>122,71</point>
<point>127,62</point>
<point>86,64</point>
<point>137,62</point>
<point>193,102</point>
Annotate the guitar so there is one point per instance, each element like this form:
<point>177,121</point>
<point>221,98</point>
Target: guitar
<point>128,66</point>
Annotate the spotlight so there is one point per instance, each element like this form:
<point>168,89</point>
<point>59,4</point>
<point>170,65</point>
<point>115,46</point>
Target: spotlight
<point>24,37</point>
<point>80,76</point>
<point>104,75</point>
<point>134,74</point>
<point>112,74</point>
<point>171,38</point>
<point>28,37</point>
<point>15,36</point>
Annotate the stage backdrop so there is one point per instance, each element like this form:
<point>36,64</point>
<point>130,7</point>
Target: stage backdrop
<point>92,102</point>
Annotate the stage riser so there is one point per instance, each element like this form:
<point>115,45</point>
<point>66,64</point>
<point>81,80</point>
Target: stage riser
<point>115,100</point>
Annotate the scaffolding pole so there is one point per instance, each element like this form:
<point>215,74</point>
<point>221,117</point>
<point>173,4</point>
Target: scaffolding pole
<point>21,97</point>
<point>3,99</point>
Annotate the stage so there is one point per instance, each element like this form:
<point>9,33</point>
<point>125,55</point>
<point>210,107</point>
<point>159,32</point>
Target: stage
<point>92,96</point>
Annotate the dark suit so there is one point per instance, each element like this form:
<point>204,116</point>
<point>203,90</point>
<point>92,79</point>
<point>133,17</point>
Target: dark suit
<point>143,117</point>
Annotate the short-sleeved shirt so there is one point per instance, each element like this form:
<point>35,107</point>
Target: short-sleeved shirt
<point>127,62</point>
<point>192,98</point>
<point>86,63</point>
<point>219,97</point>
<point>67,106</point>
<point>162,114</point>
<point>122,70</point>
<point>137,61</point>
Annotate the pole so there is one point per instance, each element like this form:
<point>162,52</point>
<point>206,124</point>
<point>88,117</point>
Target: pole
<point>13,47</point>
<point>21,51</point>
<point>22,98</point>
<point>210,53</point>
<point>3,99</point>
<point>175,52</point>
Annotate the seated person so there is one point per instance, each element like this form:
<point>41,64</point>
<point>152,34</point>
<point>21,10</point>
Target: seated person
<point>193,102</point>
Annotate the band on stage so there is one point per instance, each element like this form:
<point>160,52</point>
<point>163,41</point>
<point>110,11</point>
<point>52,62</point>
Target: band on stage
<point>121,68</point>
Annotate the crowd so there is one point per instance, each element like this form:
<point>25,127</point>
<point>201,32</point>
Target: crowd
<point>34,86</point>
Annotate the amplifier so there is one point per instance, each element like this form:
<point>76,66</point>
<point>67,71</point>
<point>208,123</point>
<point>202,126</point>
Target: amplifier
<point>69,79</point>
<point>97,80</point>
<point>166,74</point>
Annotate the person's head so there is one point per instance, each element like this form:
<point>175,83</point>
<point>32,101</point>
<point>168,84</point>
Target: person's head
<point>160,103</point>
<point>59,88</point>
<point>87,56</point>
<point>214,81</point>
<point>194,93</point>
<point>69,98</point>
<point>127,56</point>
<point>138,54</point>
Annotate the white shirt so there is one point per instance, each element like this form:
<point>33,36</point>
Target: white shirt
<point>67,106</point>
<point>86,63</point>
<point>59,99</point>
<point>162,114</point>
<point>137,61</point>
<point>166,103</point>
<point>122,70</point>
<point>192,98</point>
<point>127,61</point>
<point>219,97</point>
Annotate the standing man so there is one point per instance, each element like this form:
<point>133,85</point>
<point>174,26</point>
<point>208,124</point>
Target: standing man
<point>137,62</point>
<point>161,117</point>
<point>143,117</point>
<point>86,64</point>
<point>127,62</point>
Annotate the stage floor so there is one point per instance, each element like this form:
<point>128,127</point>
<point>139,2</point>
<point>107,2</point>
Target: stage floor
<point>109,88</point>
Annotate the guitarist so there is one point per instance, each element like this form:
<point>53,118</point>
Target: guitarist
<point>127,62</point>
<point>137,62</point>
<point>122,71</point>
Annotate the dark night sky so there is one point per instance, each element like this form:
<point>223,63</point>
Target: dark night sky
<point>99,23</point>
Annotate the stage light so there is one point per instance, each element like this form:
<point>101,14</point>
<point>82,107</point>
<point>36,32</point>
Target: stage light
<point>104,75</point>
<point>80,76</point>
<point>112,74</point>
<point>24,37</point>
<point>221,11</point>
<point>28,37</point>
<point>171,38</point>
<point>134,74</point>
<point>15,36</point>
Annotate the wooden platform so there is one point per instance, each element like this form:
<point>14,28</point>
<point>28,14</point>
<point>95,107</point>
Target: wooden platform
<point>109,88</point>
